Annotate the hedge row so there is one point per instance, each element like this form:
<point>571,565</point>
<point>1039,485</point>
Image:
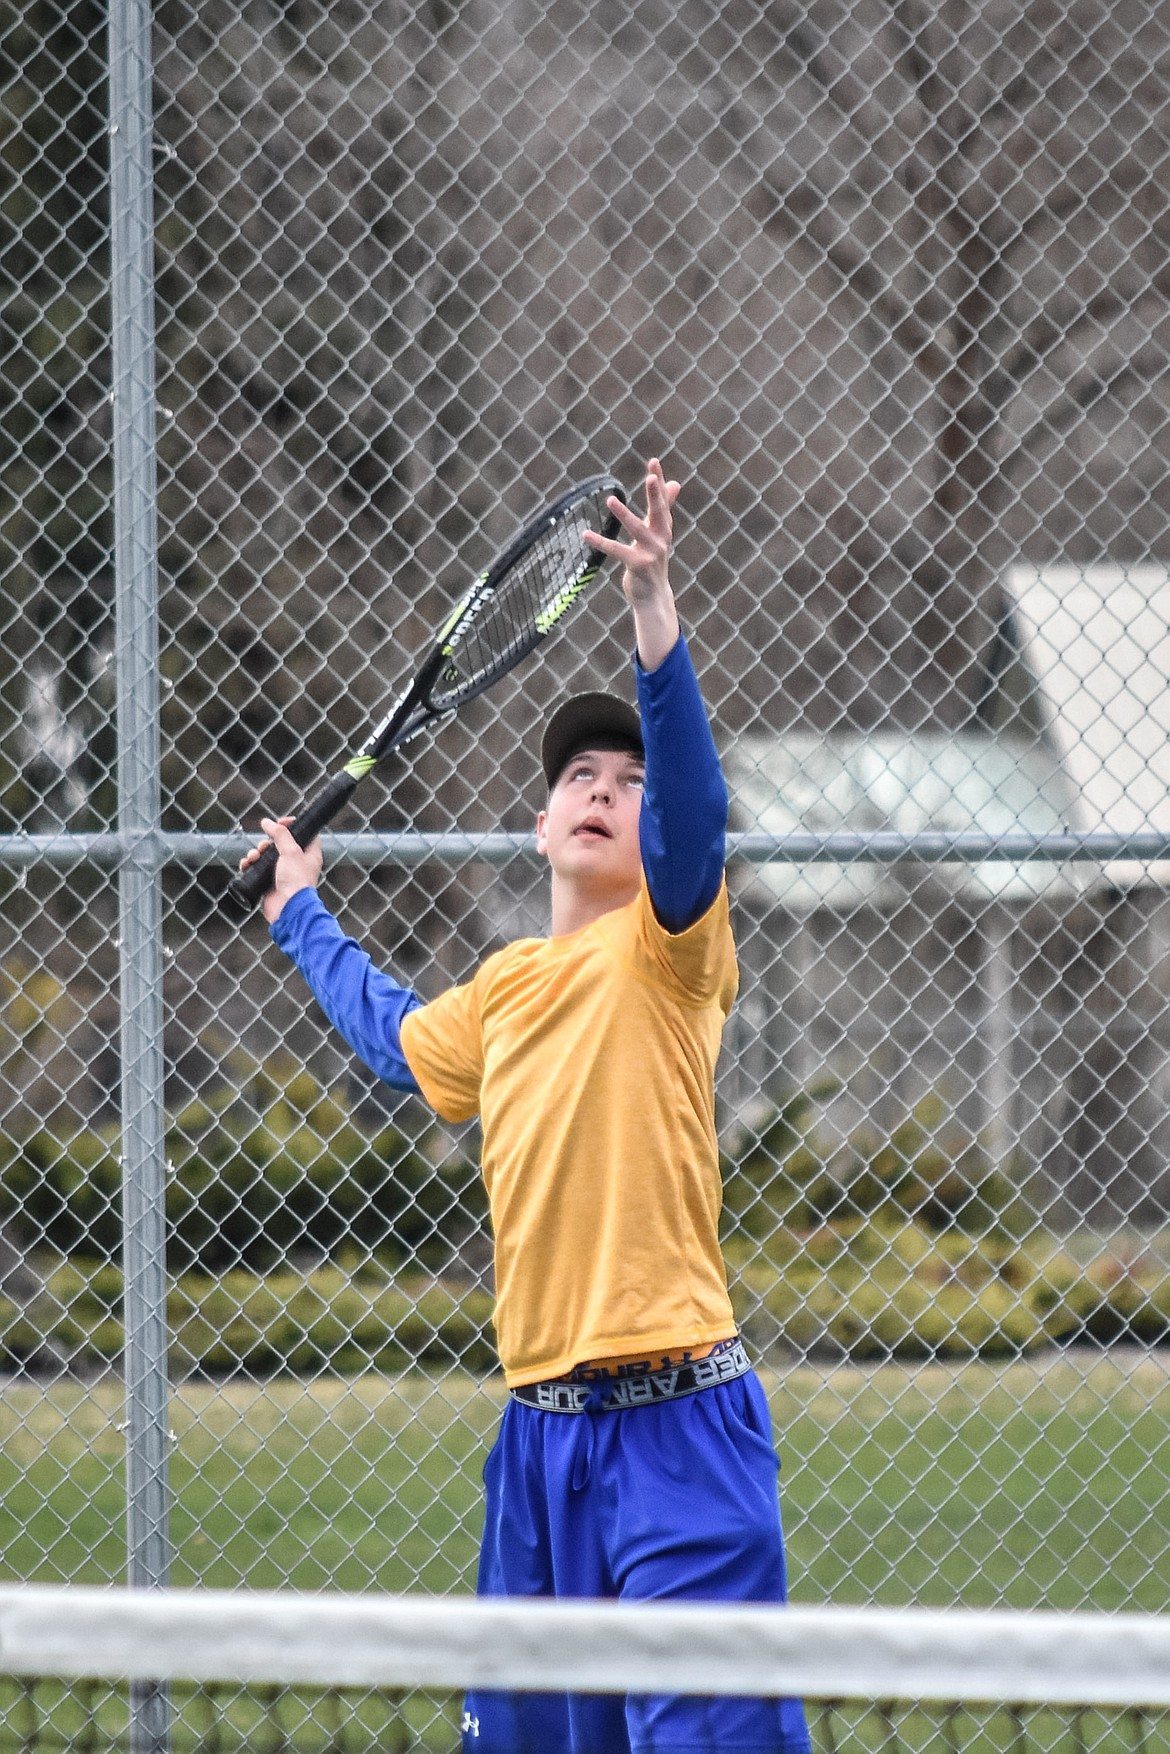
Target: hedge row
<point>273,1165</point>
<point>910,1245</point>
<point>243,1323</point>
<point>874,1288</point>
<point>270,1166</point>
<point>875,1293</point>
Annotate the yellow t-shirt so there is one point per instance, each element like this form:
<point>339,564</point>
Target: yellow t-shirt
<point>590,1059</point>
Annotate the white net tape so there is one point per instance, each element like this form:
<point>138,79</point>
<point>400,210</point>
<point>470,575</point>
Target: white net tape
<point>590,1647</point>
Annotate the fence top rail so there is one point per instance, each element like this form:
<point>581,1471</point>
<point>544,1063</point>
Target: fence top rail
<point>453,846</point>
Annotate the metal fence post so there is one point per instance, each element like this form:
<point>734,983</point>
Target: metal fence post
<point>140,898</point>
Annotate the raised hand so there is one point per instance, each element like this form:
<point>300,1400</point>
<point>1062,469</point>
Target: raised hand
<point>645,560</point>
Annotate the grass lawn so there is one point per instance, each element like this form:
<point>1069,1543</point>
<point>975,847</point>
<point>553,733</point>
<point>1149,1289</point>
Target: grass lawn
<point>1030,1484</point>
<point>1039,1484</point>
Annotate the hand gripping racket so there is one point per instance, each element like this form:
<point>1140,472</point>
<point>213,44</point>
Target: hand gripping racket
<point>514,605</point>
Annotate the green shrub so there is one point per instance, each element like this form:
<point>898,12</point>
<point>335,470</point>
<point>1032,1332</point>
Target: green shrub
<point>789,1173</point>
<point>261,1170</point>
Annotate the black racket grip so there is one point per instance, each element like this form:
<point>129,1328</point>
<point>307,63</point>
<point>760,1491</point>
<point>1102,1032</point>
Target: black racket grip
<point>251,886</point>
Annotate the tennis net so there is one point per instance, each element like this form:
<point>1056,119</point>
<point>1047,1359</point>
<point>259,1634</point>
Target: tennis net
<point>102,1669</point>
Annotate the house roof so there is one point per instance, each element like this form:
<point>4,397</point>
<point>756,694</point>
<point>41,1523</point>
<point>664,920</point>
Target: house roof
<point>884,781</point>
<point>1073,737</point>
<point>1096,640</point>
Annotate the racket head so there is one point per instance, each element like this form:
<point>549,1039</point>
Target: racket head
<point>525,593</point>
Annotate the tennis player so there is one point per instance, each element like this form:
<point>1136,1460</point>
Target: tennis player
<point>635,1457</point>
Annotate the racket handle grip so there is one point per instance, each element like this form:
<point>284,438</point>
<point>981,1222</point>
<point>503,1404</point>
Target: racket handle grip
<point>249,887</point>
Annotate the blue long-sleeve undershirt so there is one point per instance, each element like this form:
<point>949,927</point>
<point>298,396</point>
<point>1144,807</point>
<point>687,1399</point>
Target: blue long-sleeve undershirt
<point>683,825</point>
<point>364,1005</point>
<point>682,830</point>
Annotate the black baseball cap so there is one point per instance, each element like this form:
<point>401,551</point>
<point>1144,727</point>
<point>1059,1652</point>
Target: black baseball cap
<point>588,721</point>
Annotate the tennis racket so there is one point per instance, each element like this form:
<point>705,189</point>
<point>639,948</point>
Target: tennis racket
<point>511,608</point>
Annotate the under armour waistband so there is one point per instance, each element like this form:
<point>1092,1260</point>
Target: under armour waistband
<point>615,1394</point>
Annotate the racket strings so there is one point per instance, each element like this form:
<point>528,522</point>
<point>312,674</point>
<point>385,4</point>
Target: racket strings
<point>504,622</point>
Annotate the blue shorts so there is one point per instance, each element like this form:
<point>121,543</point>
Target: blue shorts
<point>670,1502</point>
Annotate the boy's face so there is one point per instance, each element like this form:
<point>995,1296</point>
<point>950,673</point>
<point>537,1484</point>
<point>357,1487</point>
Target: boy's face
<point>589,831</point>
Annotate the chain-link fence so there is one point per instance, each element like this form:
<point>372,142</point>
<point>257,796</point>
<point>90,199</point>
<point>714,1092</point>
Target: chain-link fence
<point>888,287</point>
